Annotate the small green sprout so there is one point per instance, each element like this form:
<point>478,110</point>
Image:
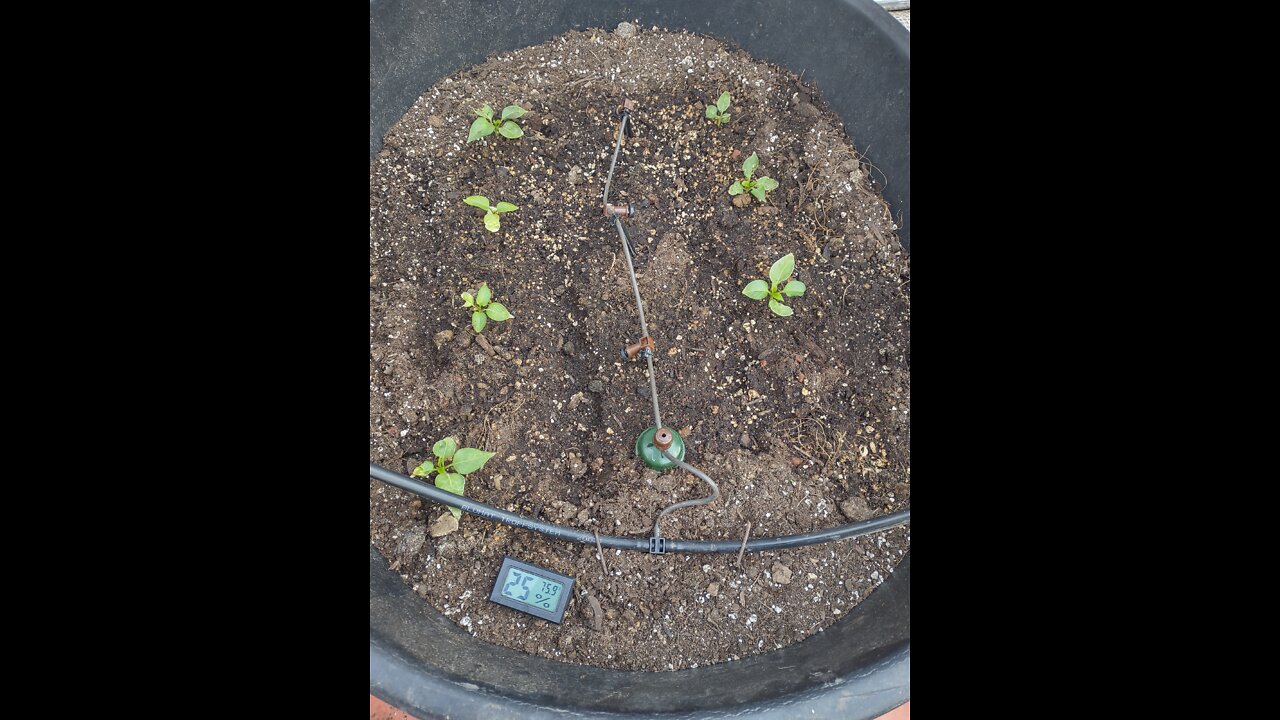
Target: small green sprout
<point>505,126</point>
<point>451,467</point>
<point>717,112</point>
<point>482,309</point>
<point>491,212</point>
<point>780,271</point>
<point>759,188</point>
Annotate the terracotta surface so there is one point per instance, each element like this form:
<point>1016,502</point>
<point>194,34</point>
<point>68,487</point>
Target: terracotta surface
<point>902,712</point>
<point>379,710</point>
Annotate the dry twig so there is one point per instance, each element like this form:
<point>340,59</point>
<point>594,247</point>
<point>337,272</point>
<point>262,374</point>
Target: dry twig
<point>743,549</point>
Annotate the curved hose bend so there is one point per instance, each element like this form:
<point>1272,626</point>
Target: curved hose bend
<point>715,491</point>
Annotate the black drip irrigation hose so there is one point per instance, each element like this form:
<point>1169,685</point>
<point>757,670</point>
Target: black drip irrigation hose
<point>560,532</point>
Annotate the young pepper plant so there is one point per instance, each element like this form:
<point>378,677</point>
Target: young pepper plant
<point>717,112</point>
<point>778,272</point>
<point>451,467</point>
<point>484,124</point>
<point>483,309</point>
<point>758,188</point>
<point>491,212</point>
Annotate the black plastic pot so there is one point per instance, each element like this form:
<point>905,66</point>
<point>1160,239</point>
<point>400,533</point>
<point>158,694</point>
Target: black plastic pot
<point>859,668</point>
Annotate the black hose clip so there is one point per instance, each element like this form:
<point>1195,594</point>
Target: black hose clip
<point>657,546</point>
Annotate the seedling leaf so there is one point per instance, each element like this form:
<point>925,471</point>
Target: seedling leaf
<point>756,289</point>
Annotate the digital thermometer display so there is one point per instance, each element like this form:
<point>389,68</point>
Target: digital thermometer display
<point>530,589</point>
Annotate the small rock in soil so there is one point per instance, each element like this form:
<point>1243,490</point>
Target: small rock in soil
<point>577,468</point>
<point>745,441</point>
<point>576,400</point>
<point>713,589</point>
<point>626,30</point>
<point>435,121</point>
<point>855,509</point>
<point>781,573</point>
<point>567,348</point>
<point>575,175</point>
<point>412,541</point>
<point>566,510</point>
<point>807,109</point>
<point>742,200</point>
<point>442,338</point>
<point>444,525</point>
<point>595,386</point>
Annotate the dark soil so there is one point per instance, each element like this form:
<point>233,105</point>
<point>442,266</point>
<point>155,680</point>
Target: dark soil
<point>802,420</point>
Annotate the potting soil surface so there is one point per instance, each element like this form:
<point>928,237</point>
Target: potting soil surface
<point>803,420</point>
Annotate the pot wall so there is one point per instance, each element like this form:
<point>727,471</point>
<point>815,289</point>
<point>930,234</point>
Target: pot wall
<point>420,661</point>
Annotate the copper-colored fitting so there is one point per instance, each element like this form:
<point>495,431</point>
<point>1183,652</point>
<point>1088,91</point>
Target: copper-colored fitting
<point>643,343</point>
<point>662,439</point>
<point>622,211</point>
<point>627,105</point>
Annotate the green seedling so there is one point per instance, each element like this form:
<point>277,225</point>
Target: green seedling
<point>491,212</point>
<point>483,308</point>
<point>451,467</point>
<point>758,188</point>
<point>484,124</point>
<point>717,112</point>
<point>778,273</point>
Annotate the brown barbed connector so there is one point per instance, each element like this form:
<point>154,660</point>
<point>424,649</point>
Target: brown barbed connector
<point>622,211</point>
<point>662,439</point>
<point>624,114</point>
<point>642,347</point>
